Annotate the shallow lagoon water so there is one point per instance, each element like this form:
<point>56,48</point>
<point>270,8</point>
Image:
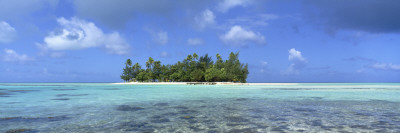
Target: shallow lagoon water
<point>104,107</point>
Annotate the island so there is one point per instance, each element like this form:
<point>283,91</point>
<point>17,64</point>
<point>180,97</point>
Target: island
<point>192,69</point>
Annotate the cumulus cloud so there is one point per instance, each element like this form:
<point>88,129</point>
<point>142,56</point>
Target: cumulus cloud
<point>12,56</point>
<point>225,5</point>
<point>206,18</point>
<point>375,16</point>
<point>7,32</point>
<point>298,62</point>
<point>386,66</point>
<point>295,55</point>
<point>161,37</point>
<point>80,34</point>
<point>195,41</point>
<point>164,54</point>
<point>238,36</point>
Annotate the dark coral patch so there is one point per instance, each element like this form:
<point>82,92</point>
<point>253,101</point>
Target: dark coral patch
<point>360,126</point>
<point>162,120</point>
<point>21,131</point>
<point>61,99</point>
<point>242,99</point>
<point>316,123</point>
<point>161,104</point>
<point>13,102</point>
<point>234,124</point>
<point>213,131</point>
<point>159,119</point>
<point>187,117</point>
<point>64,89</point>
<point>136,127</point>
<point>111,89</point>
<point>304,110</point>
<point>22,91</point>
<point>245,130</point>
<point>188,111</point>
<point>180,107</point>
<point>38,119</point>
<point>3,94</point>
<point>128,108</point>
<point>236,119</point>
<point>195,128</point>
<point>277,119</point>
<point>57,118</point>
<point>62,95</point>
<point>170,114</point>
<point>10,118</point>
<point>363,114</point>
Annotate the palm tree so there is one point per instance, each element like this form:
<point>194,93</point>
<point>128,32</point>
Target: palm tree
<point>149,63</point>
<point>192,68</point>
<point>128,62</point>
<point>195,56</point>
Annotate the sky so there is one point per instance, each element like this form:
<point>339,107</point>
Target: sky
<point>281,40</point>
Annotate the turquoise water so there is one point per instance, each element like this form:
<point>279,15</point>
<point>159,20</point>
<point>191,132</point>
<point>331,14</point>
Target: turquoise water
<point>104,107</point>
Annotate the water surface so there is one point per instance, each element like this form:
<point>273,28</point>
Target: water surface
<point>104,107</point>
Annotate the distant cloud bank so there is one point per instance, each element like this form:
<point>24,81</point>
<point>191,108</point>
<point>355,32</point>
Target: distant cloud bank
<point>12,56</point>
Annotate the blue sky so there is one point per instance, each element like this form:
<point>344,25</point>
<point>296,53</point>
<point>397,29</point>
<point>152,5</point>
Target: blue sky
<point>282,41</point>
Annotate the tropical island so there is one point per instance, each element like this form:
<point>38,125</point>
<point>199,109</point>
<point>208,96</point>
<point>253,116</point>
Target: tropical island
<point>192,69</point>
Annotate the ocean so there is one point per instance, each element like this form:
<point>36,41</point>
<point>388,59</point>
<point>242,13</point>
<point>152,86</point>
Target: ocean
<point>106,107</point>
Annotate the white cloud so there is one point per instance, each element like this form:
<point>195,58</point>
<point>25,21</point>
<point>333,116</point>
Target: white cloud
<point>195,41</point>
<point>164,54</point>
<point>298,62</point>
<point>12,56</point>
<point>206,18</point>
<point>264,63</point>
<point>56,55</point>
<point>7,32</point>
<point>385,66</point>
<point>293,69</point>
<point>237,36</point>
<point>253,21</point>
<point>225,5</point>
<point>295,55</point>
<point>161,37</point>
<point>115,44</point>
<point>80,34</point>
<point>362,70</point>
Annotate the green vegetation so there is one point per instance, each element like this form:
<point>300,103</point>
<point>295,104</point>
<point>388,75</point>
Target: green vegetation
<point>192,69</point>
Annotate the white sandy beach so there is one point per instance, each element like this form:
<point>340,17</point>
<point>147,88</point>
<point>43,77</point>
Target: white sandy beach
<point>185,83</point>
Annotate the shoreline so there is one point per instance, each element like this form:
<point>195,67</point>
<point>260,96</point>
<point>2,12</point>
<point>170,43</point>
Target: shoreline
<point>189,83</point>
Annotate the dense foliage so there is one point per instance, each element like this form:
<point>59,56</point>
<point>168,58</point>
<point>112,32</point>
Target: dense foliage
<point>191,69</point>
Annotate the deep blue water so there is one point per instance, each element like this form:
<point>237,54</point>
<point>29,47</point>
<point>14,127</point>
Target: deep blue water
<point>102,107</point>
